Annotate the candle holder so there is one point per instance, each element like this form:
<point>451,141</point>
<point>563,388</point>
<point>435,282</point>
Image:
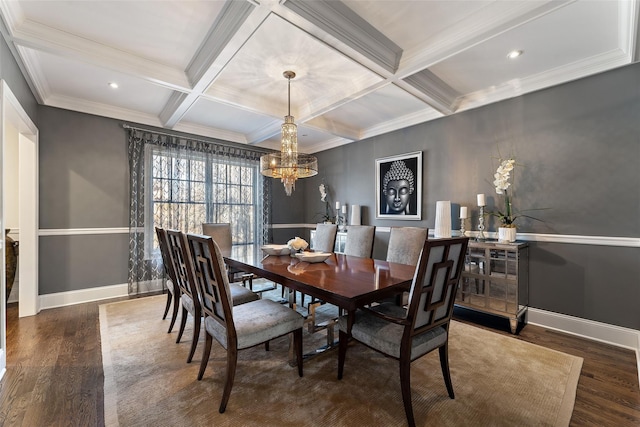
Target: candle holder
<point>341,221</point>
<point>462,230</point>
<point>480,237</point>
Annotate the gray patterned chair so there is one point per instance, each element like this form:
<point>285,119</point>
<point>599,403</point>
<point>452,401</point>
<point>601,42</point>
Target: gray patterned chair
<point>407,334</point>
<point>325,239</point>
<point>405,244</point>
<point>189,299</point>
<point>360,240</point>
<point>235,327</point>
<point>173,294</point>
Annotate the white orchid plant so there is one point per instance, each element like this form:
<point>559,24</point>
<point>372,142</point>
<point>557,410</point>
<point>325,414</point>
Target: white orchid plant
<point>501,183</point>
<point>324,197</point>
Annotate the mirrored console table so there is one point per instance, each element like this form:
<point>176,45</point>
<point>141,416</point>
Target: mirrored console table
<point>495,280</point>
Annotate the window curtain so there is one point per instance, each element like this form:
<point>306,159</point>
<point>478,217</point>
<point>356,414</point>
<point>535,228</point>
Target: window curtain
<point>179,183</point>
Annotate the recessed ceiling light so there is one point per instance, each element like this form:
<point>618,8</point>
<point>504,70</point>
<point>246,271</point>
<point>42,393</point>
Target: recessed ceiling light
<point>514,54</point>
<point>113,85</point>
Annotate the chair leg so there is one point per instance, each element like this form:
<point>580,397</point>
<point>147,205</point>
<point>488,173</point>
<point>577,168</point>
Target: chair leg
<point>405,385</point>
<point>205,355</point>
<point>183,323</point>
<point>174,316</point>
<point>232,361</point>
<point>266,346</point>
<point>166,307</point>
<point>297,344</point>
<point>343,338</point>
<point>444,364</point>
<point>196,336</point>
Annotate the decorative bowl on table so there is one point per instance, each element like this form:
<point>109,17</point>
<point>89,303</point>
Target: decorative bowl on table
<point>277,250</point>
<point>312,257</point>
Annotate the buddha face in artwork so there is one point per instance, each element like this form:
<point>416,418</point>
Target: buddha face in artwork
<point>398,185</point>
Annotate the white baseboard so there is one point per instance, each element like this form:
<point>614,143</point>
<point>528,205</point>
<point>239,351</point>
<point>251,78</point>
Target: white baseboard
<point>62,299</point>
<point>596,331</point>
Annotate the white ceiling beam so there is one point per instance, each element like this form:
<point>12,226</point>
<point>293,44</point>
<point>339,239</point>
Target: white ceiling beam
<point>235,25</point>
<point>336,19</point>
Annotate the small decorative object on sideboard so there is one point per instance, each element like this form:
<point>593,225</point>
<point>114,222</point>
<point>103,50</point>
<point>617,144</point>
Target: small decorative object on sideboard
<point>463,218</point>
<point>11,259</point>
<point>480,237</point>
<point>507,229</point>
<point>443,219</point>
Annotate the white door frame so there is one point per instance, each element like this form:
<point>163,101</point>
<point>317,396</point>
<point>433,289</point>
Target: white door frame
<point>12,113</point>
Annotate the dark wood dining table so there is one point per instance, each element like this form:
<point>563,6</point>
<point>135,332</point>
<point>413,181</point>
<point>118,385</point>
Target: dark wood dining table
<point>345,281</point>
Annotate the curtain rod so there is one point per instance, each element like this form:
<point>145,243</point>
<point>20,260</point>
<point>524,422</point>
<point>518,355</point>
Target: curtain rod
<point>225,143</point>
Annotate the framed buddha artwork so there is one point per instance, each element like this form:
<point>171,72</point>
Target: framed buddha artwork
<point>399,187</point>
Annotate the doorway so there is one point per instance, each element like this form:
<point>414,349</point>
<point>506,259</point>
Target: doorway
<point>17,129</point>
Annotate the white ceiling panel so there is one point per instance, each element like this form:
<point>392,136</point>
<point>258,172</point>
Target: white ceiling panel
<point>385,104</point>
<point>167,32</point>
<point>71,79</point>
<point>548,43</point>
<point>364,67</point>
<point>254,76</point>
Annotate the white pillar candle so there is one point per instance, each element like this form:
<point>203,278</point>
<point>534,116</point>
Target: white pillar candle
<point>337,205</point>
<point>344,209</point>
<point>481,200</point>
<point>443,219</point>
<point>355,215</point>
<point>463,212</point>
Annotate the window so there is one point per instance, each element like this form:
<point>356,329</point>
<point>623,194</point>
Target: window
<point>185,189</point>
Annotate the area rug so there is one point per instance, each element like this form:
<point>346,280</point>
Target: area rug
<point>498,380</point>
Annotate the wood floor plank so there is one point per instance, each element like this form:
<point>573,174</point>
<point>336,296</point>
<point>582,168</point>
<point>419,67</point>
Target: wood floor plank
<point>54,371</point>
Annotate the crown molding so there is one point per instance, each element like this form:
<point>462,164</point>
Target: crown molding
<point>104,110</point>
<point>573,71</point>
<point>433,91</point>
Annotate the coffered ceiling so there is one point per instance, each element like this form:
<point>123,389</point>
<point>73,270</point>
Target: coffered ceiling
<point>214,68</point>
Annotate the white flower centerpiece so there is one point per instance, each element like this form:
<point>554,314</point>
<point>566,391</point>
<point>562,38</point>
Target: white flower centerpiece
<point>297,245</point>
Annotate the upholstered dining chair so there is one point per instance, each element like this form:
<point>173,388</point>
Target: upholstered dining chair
<point>324,241</point>
<point>360,240</point>
<point>221,234</point>
<point>407,334</point>
<point>173,294</point>
<point>405,244</point>
<point>189,299</point>
<point>235,327</point>
<point>325,238</point>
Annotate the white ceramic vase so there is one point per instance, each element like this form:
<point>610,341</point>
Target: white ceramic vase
<point>506,234</point>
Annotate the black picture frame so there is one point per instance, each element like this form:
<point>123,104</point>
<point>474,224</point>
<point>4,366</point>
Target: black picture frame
<point>405,167</point>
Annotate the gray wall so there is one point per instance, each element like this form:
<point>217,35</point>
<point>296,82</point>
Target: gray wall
<point>578,145</point>
<point>84,179</point>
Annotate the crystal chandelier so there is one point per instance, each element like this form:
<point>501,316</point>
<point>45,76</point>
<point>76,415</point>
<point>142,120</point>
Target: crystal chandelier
<point>288,164</point>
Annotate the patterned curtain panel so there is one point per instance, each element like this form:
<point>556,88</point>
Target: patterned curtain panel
<point>179,183</point>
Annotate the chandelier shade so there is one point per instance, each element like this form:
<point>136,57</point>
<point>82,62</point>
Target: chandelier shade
<point>288,165</point>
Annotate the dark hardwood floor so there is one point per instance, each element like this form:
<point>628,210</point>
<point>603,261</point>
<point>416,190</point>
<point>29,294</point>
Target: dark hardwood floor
<point>54,370</point>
